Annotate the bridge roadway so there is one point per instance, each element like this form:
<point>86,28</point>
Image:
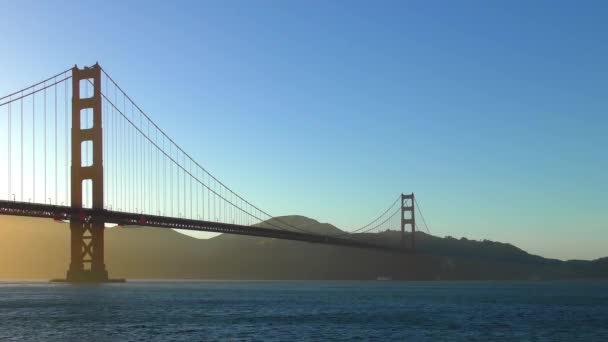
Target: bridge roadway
<point>57,212</point>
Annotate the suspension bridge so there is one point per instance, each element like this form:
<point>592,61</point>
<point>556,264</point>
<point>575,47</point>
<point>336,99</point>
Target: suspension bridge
<point>80,150</point>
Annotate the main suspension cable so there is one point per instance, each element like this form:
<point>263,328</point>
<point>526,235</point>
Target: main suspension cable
<point>189,157</point>
<point>422,216</point>
<point>378,218</point>
<point>179,166</point>
<point>34,85</point>
<point>33,92</point>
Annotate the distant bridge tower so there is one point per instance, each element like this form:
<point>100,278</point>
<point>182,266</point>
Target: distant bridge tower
<point>87,259</point>
<point>408,217</point>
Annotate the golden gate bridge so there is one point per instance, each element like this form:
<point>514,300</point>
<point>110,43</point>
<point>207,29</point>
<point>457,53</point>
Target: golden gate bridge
<point>79,149</point>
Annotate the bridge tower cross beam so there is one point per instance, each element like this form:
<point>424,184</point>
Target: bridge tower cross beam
<point>408,217</point>
<point>87,233</point>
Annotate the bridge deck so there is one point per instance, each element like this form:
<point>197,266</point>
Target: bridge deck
<point>129,219</point>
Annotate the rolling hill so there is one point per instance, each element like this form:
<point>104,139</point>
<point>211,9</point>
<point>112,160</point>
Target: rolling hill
<point>38,249</point>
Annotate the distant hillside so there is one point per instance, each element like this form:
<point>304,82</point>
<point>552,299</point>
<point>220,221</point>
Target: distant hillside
<point>297,222</point>
<point>38,249</point>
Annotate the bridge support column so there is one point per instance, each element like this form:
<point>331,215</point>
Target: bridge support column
<point>408,218</point>
<point>87,257</point>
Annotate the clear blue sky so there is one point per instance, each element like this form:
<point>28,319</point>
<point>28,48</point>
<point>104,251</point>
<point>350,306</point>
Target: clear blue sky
<point>493,112</point>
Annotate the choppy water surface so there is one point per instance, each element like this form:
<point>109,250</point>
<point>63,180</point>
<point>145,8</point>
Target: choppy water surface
<point>319,311</point>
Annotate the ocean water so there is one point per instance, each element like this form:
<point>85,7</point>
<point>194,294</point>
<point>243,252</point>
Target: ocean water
<point>307,310</point>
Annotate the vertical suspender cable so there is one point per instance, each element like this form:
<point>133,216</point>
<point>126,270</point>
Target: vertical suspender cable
<point>111,136</point>
<point>141,163</point>
<point>177,178</point>
<point>157,180</point>
<point>223,194</point>
<point>123,165</point>
<point>132,162</point>
<point>151,170</point>
<point>178,186</point>
<point>183,189</point>
<point>151,201</point>
<point>171,183</point>
<point>67,134</point>
<point>137,167</point>
<point>224,211</point>
<point>136,160</point>
<point>202,194</point>
<point>139,159</point>
<point>122,162</point>
<point>190,188</point>
<point>109,162</point>
<point>121,188</point>
<point>34,147</point>
<point>120,134</point>
<point>113,154</point>
<point>117,135</point>
<point>132,158</point>
<point>123,172</point>
<point>55,88</point>
<point>21,136</point>
<point>142,153</point>
<point>44,144</point>
<point>140,145</point>
<point>175,184</point>
<point>164,181</point>
<point>9,149</point>
<point>149,173</point>
<point>159,191</point>
<point>197,195</point>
